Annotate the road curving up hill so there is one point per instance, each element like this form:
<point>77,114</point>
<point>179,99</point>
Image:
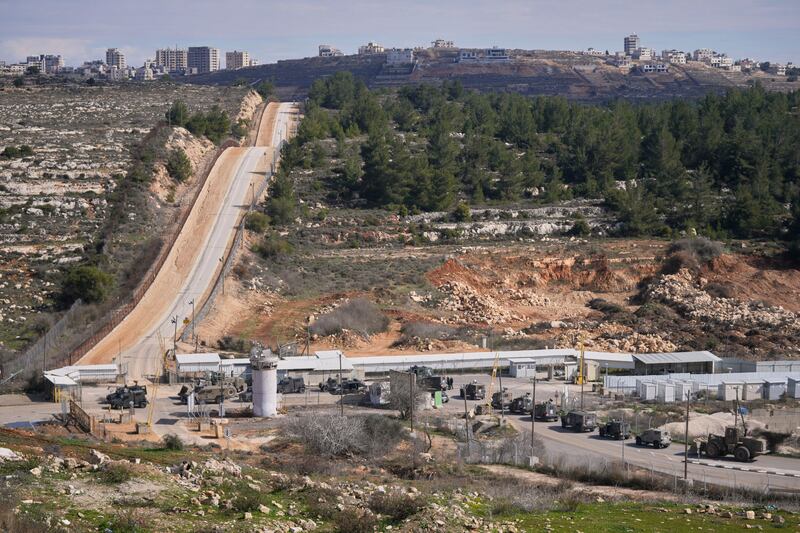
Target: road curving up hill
<point>193,263</point>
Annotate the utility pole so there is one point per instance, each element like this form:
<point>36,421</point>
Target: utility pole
<point>533,409</point>
<point>502,397</point>
<point>411,377</point>
<point>622,440</point>
<point>466,418</point>
<point>686,441</point>
<point>194,337</point>
<point>341,386</point>
<point>175,336</point>
<point>44,363</point>
<point>581,376</point>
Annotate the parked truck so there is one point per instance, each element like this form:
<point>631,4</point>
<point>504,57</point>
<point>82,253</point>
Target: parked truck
<point>735,441</point>
<point>125,396</point>
<point>521,404</point>
<point>579,421</point>
<point>616,429</point>
<point>291,385</point>
<point>473,391</point>
<point>657,438</point>
<point>501,399</point>
<point>545,411</point>
<point>209,392</point>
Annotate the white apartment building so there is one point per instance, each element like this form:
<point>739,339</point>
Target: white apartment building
<point>777,69</point>
<point>675,57</point>
<point>400,56</point>
<point>202,59</point>
<point>236,60</point>
<point>485,55</point>
<point>326,50</point>
<point>704,54</point>
<point>593,52</point>
<point>115,58</point>
<point>173,60</point>
<point>370,48</point>
<point>654,67</point>
<point>644,54</point>
<point>441,43</point>
<point>631,44</point>
<point>46,63</point>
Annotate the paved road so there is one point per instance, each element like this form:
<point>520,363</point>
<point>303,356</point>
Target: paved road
<point>577,448</point>
<point>195,260</point>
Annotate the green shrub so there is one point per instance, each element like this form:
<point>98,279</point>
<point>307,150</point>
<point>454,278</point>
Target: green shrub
<point>115,473</point>
<point>272,246</point>
<point>257,222</point>
<point>357,315</point>
<point>178,114</point>
<point>462,213</point>
<point>397,506</point>
<point>178,165</point>
<point>281,209</point>
<point>580,228</point>
<point>173,442</point>
<point>87,283</point>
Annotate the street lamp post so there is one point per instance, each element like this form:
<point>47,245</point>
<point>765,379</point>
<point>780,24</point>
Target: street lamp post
<point>533,409</point>
<point>175,336</point>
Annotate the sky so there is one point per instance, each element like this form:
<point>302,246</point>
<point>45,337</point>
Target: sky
<point>80,30</point>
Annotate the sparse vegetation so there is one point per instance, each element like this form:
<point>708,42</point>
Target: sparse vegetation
<point>178,165</point>
<point>87,283</point>
<point>173,442</point>
<point>358,315</point>
<point>257,222</point>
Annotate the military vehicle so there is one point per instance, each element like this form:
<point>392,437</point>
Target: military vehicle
<point>445,397</point>
<point>545,411</point>
<point>349,386</point>
<point>521,404</point>
<point>503,396</point>
<point>207,392</point>
<point>736,442</point>
<point>579,421</point>
<point>473,391</point>
<point>291,385</point>
<point>123,396</point>
<point>658,438</point>
<point>427,379</point>
<point>616,429</point>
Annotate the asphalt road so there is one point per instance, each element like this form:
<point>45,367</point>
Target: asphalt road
<point>193,265</point>
<point>765,471</point>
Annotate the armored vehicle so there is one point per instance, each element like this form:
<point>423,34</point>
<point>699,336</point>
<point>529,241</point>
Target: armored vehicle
<point>521,404</point>
<point>205,392</point>
<point>501,399</point>
<point>473,391</point>
<point>658,438</point>
<point>123,396</point>
<point>579,421</point>
<point>736,442</point>
<point>545,411</point>
<point>291,385</point>
<point>616,429</point>
<point>349,386</point>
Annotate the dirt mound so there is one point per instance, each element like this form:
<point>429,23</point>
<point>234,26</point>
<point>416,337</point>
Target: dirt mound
<point>455,270</point>
<point>752,278</point>
<point>703,425</point>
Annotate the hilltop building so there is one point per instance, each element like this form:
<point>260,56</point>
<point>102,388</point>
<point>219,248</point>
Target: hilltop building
<point>674,56</point>
<point>172,59</point>
<point>202,59</point>
<point>441,43</point>
<point>236,60</point>
<point>484,55</point>
<point>631,44</point>
<point>400,56</point>
<point>326,50</point>
<point>370,48</point>
<point>115,59</point>
<point>703,54</point>
<point>46,63</point>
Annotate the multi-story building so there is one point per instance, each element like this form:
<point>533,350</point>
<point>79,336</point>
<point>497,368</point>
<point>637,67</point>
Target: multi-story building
<point>173,60</point>
<point>202,59</point>
<point>441,43</point>
<point>370,48</point>
<point>46,63</point>
<point>675,57</point>
<point>487,55</point>
<point>704,55</point>
<point>115,58</point>
<point>777,69</point>
<point>644,54</point>
<point>623,62</point>
<point>722,62</point>
<point>631,44</point>
<point>326,50</point>
<point>593,52</point>
<point>654,67</point>
<point>400,56</point>
<point>236,60</point>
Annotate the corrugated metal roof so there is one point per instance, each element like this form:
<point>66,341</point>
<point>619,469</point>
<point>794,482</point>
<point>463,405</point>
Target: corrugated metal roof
<point>607,356</point>
<point>62,381</point>
<point>197,358</point>
<point>239,361</point>
<point>676,357</point>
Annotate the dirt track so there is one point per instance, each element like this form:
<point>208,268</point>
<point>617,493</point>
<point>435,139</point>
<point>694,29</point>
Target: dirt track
<point>193,262</point>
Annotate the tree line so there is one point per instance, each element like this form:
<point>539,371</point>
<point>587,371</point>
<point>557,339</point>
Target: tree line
<point>725,165</point>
